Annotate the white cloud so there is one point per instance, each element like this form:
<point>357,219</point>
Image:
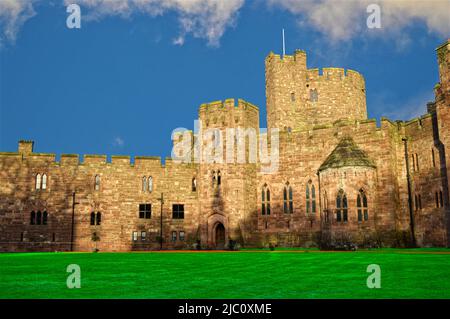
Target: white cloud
<point>344,20</point>
<point>207,19</point>
<point>118,141</point>
<point>13,14</point>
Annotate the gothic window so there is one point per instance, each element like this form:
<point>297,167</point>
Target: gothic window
<point>150,184</point>
<point>194,184</point>
<point>97,182</point>
<point>265,200</point>
<point>38,218</point>
<point>325,206</point>
<point>44,218</point>
<point>313,95</point>
<point>144,184</point>
<point>433,159</point>
<point>178,211</point>
<point>219,177</point>
<point>313,199</point>
<point>99,218</point>
<point>32,218</point>
<point>38,181</point>
<point>361,203</point>
<point>308,200</point>
<point>288,203</point>
<point>92,218</point>
<point>341,207</point>
<point>44,181</point>
<point>145,211</point>
<point>214,178</point>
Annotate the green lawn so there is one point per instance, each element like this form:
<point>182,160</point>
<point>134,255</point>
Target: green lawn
<point>245,274</point>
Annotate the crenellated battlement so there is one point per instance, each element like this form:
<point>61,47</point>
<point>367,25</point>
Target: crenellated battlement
<point>228,104</point>
<point>335,74</point>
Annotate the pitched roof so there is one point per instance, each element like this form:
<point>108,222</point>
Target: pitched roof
<point>346,153</point>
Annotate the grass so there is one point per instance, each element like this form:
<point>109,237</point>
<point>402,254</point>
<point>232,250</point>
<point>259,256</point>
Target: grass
<point>420,273</point>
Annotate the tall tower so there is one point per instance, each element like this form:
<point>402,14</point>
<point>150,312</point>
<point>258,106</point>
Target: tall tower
<point>301,98</point>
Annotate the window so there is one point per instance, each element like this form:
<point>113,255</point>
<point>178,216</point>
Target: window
<point>287,199</point>
<point>181,236</point>
<point>194,184</point>
<point>44,218</point>
<point>341,207</point>
<point>135,236</point>
<point>313,96</point>
<point>32,218</point>
<point>177,211</point>
<point>214,178</point>
<point>265,200</point>
<point>145,211</point>
<point>433,159</point>
<point>53,237</point>
<point>21,236</point>
<point>150,184</point>
<point>38,181</point>
<point>143,235</point>
<point>417,162</point>
<point>310,198</point>
<point>96,218</point>
<point>144,184</point>
<point>174,236</point>
<point>97,182</point>
<point>38,218</point>
<point>219,177</point>
<point>361,203</point>
<point>292,97</point>
<point>44,181</point>
<point>325,206</point>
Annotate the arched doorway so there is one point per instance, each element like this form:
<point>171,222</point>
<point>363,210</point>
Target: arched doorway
<point>219,236</point>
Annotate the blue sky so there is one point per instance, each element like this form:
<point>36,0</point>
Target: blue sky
<point>131,75</point>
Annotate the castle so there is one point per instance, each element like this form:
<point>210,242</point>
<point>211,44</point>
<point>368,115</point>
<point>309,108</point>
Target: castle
<point>341,178</point>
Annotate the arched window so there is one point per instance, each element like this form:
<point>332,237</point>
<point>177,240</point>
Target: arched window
<point>38,218</point>
<point>291,201</point>
<point>213,178</point>
<point>265,200</point>
<point>325,206</point>
<point>308,200</point>
<point>219,177</point>
<point>92,218</point>
<point>144,184</point>
<point>341,207</point>
<point>32,218</point>
<point>361,204</point>
<point>313,95</point>
<point>38,181</point>
<point>288,204</point>
<point>44,218</point>
<point>150,184</point>
<point>194,184</point>
<point>97,182</point>
<point>44,181</point>
<point>98,218</point>
<point>313,200</point>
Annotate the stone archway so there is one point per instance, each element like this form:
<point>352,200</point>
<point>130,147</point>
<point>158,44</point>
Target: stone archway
<point>219,236</point>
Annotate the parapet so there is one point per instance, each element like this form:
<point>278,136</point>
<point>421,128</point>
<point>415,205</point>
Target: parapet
<point>336,74</point>
<point>228,104</point>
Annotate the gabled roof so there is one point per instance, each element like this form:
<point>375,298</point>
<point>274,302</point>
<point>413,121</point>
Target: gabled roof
<point>346,154</point>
